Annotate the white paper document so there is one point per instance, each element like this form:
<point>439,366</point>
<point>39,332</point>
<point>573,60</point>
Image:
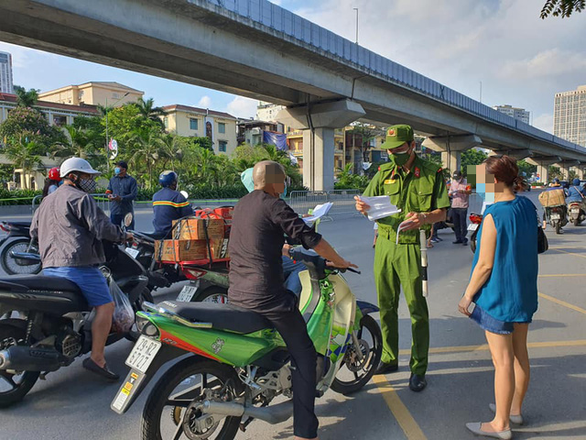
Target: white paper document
<point>380,207</point>
<point>401,227</point>
<point>318,212</point>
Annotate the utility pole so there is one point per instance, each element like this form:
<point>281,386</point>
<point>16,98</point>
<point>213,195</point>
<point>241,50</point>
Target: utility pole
<point>107,137</point>
<point>356,9</point>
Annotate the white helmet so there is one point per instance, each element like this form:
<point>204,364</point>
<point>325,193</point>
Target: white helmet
<point>76,164</point>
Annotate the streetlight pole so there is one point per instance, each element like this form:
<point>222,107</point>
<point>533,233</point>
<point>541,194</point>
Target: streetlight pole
<point>356,9</point>
<point>108,137</point>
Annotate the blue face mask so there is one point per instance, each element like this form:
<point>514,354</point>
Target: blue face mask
<point>284,195</point>
<point>116,170</point>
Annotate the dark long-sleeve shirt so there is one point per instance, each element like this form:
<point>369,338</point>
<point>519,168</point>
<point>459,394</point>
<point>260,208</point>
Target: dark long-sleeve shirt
<point>126,188</point>
<point>169,205</point>
<point>257,237</point>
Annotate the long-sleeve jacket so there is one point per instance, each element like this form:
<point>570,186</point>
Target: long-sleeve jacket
<point>70,228</point>
<point>126,188</point>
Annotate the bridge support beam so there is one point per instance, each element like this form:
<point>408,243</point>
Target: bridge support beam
<point>319,121</point>
<point>451,148</point>
<point>543,164</point>
<point>515,154</point>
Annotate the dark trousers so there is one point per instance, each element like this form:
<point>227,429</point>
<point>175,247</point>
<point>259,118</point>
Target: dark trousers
<point>293,329</point>
<point>118,220</point>
<point>460,225</point>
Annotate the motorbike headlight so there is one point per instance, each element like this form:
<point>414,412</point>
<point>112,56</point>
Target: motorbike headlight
<point>146,327</point>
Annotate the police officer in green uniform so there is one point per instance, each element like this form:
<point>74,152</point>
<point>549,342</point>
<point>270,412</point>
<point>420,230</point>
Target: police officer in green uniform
<point>417,187</point>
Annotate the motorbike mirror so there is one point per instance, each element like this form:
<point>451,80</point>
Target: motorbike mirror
<point>128,219</point>
<point>184,194</point>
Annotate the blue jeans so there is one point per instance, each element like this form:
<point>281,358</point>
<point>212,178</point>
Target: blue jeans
<point>291,271</point>
<point>90,280</point>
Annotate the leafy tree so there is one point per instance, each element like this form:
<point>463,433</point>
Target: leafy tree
<point>201,142</point>
<point>125,123</point>
<point>24,154</point>
<point>526,167</point>
<point>146,149</point>
<point>562,8</point>
<point>348,179</point>
<point>173,147</point>
<point>81,143</point>
<point>554,173</point>
<point>148,110</point>
<point>362,135</point>
<point>31,124</point>
<point>471,157</point>
<point>24,98</point>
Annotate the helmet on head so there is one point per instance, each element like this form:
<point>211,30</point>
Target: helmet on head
<point>54,174</point>
<point>76,164</point>
<point>556,180</point>
<point>576,182</point>
<point>167,178</point>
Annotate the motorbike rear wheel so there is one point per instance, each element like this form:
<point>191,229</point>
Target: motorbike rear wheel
<point>213,294</point>
<point>13,387</point>
<point>558,227</point>
<point>176,390</point>
<point>13,266</point>
<point>361,371</point>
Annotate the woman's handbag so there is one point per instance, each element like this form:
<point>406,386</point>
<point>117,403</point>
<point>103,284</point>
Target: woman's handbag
<point>542,244</point>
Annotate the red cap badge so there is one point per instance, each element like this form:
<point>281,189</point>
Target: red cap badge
<point>417,172</point>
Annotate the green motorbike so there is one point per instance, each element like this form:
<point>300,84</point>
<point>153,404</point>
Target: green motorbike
<point>234,366</point>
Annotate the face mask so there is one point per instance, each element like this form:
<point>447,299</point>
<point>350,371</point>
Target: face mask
<point>284,195</point>
<point>87,185</point>
<point>481,191</point>
<point>116,170</point>
<point>401,158</point>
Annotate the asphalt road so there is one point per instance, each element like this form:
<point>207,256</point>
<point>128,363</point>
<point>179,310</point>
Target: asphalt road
<point>72,404</point>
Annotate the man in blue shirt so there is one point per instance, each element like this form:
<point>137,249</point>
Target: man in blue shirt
<point>121,192</point>
<point>168,204</point>
<point>576,193</point>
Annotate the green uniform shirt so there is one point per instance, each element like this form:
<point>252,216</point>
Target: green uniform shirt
<point>423,189</point>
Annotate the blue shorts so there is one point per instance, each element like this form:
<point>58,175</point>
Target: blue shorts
<point>90,280</point>
<point>490,324</point>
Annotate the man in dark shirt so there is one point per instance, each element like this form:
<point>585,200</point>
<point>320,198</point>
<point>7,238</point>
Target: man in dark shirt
<point>121,192</point>
<point>168,204</point>
<point>261,219</point>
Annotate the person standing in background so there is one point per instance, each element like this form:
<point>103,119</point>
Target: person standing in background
<point>121,192</point>
<point>460,194</point>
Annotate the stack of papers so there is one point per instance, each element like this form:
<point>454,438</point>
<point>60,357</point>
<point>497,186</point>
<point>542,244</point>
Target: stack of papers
<point>380,207</point>
<point>318,212</point>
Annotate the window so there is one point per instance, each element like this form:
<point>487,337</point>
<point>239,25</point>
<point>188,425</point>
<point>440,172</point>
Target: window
<point>115,96</point>
<point>222,146</point>
<point>166,121</point>
<point>221,128</point>
<point>193,124</point>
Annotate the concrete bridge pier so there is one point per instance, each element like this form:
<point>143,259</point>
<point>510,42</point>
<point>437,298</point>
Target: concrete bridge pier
<point>543,164</point>
<point>319,121</point>
<point>451,148</point>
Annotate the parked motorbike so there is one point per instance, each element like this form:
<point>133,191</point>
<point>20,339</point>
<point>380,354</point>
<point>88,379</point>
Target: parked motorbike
<point>577,213</point>
<point>19,256</point>
<point>239,363</point>
<point>557,216</point>
<point>475,220</point>
<point>55,323</point>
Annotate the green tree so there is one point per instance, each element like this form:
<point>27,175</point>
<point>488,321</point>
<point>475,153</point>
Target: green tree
<point>362,136</point>
<point>526,167</point>
<point>349,180</point>
<point>81,143</point>
<point>173,147</point>
<point>562,8</point>
<point>24,98</point>
<point>24,154</point>
<point>147,110</point>
<point>146,148</point>
<point>471,157</point>
<point>32,125</point>
<point>554,173</point>
<point>201,142</point>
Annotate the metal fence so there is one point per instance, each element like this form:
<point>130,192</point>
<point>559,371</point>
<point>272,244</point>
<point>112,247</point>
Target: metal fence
<point>101,199</point>
<point>342,199</point>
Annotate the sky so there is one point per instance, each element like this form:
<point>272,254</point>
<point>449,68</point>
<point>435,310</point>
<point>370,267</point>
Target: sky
<point>518,58</point>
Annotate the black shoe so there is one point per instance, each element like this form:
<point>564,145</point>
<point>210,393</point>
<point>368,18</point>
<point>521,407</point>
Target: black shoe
<point>417,383</point>
<point>385,368</point>
<point>465,242</point>
<point>90,365</point>
<point>457,242</point>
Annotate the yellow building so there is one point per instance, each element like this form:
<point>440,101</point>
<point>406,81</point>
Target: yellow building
<point>220,127</point>
<point>104,93</point>
<point>295,140</point>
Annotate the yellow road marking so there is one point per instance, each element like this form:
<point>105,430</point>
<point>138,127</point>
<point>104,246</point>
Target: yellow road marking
<point>562,275</point>
<point>484,347</point>
<point>569,253</point>
<point>402,415</point>
<point>562,303</point>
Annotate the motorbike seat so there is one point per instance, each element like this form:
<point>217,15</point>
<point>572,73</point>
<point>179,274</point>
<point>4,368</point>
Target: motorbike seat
<point>21,224</point>
<point>38,282</point>
<point>221,316</point>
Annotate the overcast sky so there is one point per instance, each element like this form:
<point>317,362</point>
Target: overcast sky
<point>520,59</point>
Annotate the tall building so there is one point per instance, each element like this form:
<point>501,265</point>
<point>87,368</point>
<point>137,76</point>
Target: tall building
<point>569,117</point>
<point>514,112</point>
<point>105,93</point>
<point>265,111</point>
<point>6,85</point>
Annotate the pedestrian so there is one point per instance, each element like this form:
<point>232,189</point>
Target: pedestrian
<point>460,194</point>
<point>52,182</point>
<point>121,192</point>
<point>70,228</point>
<point>503,287</point>
<point>417,187</point>
<point>261,220</point>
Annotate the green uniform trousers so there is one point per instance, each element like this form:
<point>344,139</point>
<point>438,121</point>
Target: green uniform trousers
<point>396,266</point>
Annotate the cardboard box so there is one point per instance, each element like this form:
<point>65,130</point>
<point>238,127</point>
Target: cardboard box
<point>552,197</point>
<point>191,250</point>
<point>195,229</point>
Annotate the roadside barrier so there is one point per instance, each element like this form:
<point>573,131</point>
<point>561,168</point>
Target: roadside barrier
<point>101,199</point>
<point>342,199</point>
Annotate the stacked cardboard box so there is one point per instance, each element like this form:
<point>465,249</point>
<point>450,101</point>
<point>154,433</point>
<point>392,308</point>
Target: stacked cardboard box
<point>552,197</point>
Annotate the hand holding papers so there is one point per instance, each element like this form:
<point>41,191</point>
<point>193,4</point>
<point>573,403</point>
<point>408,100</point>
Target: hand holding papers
<point>380,207</point>
<point>318,212</point>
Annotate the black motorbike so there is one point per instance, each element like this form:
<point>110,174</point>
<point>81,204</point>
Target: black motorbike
<point>54,322</point>
<point>19,256</point>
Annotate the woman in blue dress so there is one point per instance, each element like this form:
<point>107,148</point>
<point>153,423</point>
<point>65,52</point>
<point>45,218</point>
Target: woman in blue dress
<point>503,287</point>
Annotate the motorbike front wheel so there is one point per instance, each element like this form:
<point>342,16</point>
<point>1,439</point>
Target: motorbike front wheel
<point>14,386</point>
<point>171,409</point>
<point>355,372</point>
<point>16,266</point>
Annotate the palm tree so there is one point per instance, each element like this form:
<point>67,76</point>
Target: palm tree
<point>23,154</point>
<point>206,167</point>
<point>81,143</point>
<point>147,147</point>
<point>148,110</point>
<point>24,98</point>
<point>173,146</point>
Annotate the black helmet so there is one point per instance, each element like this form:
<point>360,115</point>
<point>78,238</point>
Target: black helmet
<point>167,178</point>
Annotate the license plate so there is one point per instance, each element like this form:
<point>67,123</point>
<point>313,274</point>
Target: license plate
<point>132,252</point>
<point>143,354</point>
<point>472,227</point>
<point>555,216</point>
<point>187,293</point>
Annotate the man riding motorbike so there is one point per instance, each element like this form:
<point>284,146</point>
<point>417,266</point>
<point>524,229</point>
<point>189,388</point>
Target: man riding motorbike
<point>70,228</point>
<point>261,220</point>
<point>168,204</point>
<point>576,193</point>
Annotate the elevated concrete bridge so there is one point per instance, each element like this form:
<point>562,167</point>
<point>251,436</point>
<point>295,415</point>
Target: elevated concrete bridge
<point>257,49</point>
